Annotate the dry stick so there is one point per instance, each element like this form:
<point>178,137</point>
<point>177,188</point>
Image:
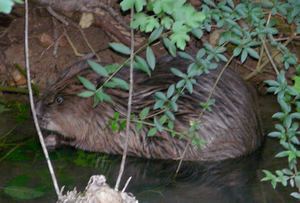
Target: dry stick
<point>269,56</point>
<point>128,107</point>
<point>267,61</point>
<point>57,16</point>
<point>54,180</point>
<point>67,21</point>
<point>126,184</point>
<point>202,112</point>
<point>71,44</point>
<point>88,43</point>
<point>55,34</point>
<point>257,69</point>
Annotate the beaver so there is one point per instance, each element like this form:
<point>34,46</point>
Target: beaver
<point>232,129</point>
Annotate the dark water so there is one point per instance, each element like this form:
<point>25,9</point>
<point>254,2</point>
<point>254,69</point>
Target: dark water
<point>152,181</point>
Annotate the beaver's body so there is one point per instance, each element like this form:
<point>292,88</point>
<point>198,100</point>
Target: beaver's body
<point>231,129</point>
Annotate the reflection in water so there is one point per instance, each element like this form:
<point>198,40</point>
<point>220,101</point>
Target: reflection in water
<point>152,181</point>
<point>228,181</point>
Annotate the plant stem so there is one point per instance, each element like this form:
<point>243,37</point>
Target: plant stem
<point>202,112</point>
<point>125,149</point>
<point>13,89</point>
<point>54,180</point>
<point>269,55</point>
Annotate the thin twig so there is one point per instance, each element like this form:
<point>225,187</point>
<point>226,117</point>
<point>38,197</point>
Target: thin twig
<point>88,43</point>
<point>202,112</point>
<point>257,69</point>
<point>71,44</point>
<point>266,48</point>
<point>126,184</point>
<point>55,35</point>
<point>38,129</point>
<point>53,43</point>
<point>57,16</point>
<point>13,89</point>
<point>128,107</point>
<point>269,56</point>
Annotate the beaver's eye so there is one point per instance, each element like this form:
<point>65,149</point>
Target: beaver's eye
<point>59,99</point>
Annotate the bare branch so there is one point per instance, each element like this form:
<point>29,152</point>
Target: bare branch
<point>128,107</point>
<point>38,129</point>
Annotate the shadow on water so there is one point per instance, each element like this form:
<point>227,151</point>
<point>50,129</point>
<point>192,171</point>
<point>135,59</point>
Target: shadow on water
<point>24,171</point>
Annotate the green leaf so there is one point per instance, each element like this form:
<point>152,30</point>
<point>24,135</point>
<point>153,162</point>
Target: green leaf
<point>189,86</point>
<point>139,4</point>
<point>160,96</point>
<point>22,192</point>
<point>155,35</point>
<point>121,48</point>
<point>144,113</point>
<point>252,53</point>
<point>86,94</point>
<point>98,68</point>
<point>120,83</point>
<point>198,33</point>
<point>170,46</point>
<point>152,132</point>
<point>282,154</point>
<point>296,195</point>
<point>158,125</point>
<point>87,84</point>
<point>244,55</point>
<point>102,96</point>
<point>158,104</point>
<point>297,83</point>
<point>170,115</point>
<point>185,55</point>
<point>127,4</point>
<point>111,68</point>
<point>178,73</point>
<point>139,126</point>
<point>6,6</point>
<point>150,58</point>
<point>167,22</point>
<point>142,65</point>
<point>237,51</point>
<point>180,35</point>
<point>171,90</point>
<point>297,181</point>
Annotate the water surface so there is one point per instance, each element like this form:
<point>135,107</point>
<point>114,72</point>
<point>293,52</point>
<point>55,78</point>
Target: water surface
<point>22,165</point>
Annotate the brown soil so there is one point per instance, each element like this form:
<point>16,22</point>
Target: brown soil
<point>44,64</point>
<point>45,32</point>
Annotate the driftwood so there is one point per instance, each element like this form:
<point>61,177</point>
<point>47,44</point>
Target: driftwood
<point>97,191</point>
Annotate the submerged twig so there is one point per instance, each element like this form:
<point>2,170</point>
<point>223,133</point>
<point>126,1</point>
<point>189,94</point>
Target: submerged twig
<point>38,129</point>
<point>126,184</point>
<point>128,107</point>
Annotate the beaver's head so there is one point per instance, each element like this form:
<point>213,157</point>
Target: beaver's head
<point>64,114</point>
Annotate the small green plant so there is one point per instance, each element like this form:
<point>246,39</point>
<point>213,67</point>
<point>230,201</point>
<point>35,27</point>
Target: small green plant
<point>287,131</point>
<point>6,5</point>
<point>19,188</point>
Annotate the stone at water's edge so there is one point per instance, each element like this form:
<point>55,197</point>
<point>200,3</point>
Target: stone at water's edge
<point>97,191</point>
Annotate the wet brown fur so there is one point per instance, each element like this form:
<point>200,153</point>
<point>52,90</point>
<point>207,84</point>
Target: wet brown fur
<point>231,130</point>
